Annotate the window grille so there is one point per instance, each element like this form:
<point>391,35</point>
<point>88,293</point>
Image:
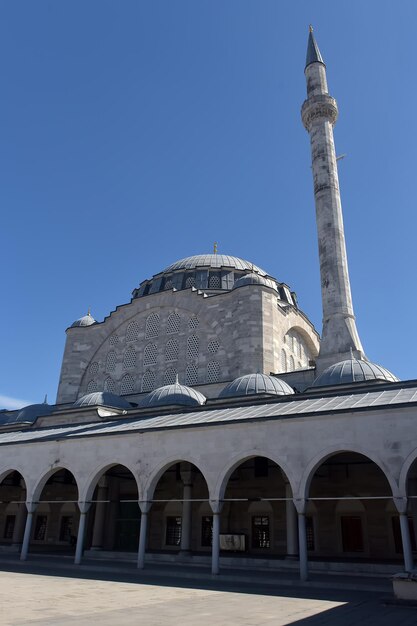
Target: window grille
<point>129,360</point>
<point>148,381</point>
<point>292,364</point>
<point>310,533</point>
<point>189,282</point>
<point>92,386</point>
<point>173,323</point>
<point>192,347</point>
<point>207,530</point>
<point>173,531</point>
<point>260,532</point>
<point>193,323</point>
<point>127,384</point>
<point>132,332</point>
<point>111,361</point>
<point>93,369</point>
<point>214,282</point>
<point>110,385</point>
<point>152,326</point>
<point>40,528</point>
<point>114,340</point>
<point>191,375</point>
<point>171,350</point>
<point>213,346</point>
<point>9,526</point>
<point>168,284</point>
<point>65,531</point>
<point>283,360</point>
<point>150,354</point>
<point>170,376</point>
<point>213,372</point>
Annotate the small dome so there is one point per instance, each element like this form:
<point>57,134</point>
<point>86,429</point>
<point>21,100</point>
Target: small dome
<point>31,412</point>
<point>254,279</point>
<point>103,398</point>
<point>252,384</point>
<point>353,371</point>
<point>173,394</point>
<point>87,320</point>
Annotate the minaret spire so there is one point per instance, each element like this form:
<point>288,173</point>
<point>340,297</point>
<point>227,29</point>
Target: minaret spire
<point>319,114</point>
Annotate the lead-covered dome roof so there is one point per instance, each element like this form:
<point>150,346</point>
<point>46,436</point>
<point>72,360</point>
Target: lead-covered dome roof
<point>254,279</point>
<point>174,394</point>
<point>209,273</point>
<point>353,371</point>
<point>86,320</point>
<point>252,384</point>
<point>103,398</point>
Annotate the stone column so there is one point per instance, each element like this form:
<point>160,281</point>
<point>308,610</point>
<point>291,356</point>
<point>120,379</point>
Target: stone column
<point>401,505</point>
<point>145,507</point>
<point>83,506</point>
<point>291,522</point>
<point>100,516</point>
<point>186,476</point>
<point>31,508</point>
<point>19,527</point>
<point>300,505</point>
<point>216,507</point>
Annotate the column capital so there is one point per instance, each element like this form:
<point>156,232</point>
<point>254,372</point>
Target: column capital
<point>216,506</point>
<point>401,503</point>
<point>301,505</point>
<point>31,506</point>
<point>84,507</point>
<point>144,506</point>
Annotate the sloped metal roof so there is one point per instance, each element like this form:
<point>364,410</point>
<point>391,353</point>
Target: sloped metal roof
<point>286,407</point>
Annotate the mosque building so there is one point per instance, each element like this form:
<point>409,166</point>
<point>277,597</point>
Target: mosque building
<point>207,421</point>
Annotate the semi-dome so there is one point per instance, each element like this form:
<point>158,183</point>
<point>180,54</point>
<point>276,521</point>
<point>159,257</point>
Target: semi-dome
<point>31,412</point>
<point>252,384</point>
<point>86,320</point>
<point>353,371</point>
<point>254,279</point>
<point>173,394</point>
<point>103,398</point>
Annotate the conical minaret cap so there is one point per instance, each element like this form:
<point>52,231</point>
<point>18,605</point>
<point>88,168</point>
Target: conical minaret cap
<point>313,52</point>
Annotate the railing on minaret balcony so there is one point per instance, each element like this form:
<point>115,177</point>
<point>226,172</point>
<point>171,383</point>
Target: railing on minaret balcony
<point>319,114</point>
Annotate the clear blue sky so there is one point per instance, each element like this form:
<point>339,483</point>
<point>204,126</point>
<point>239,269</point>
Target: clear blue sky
<point>135,133</point>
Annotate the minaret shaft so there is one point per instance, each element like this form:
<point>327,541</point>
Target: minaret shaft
<point>319,114</point>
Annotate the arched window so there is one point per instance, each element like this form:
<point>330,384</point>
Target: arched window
<point>152,326</point>
<point>173,323</point>
<point>283,361</point>
<point>213,372</point>
<point>213,346</point>
<point>292,363</point>
<point>189,282</point>
<point>129,360</point>
<point>149,354</point>
<point>110,385</point>
<point>148,381</point>
<point>111,361</point>
<point>93,369</point>
<point>92,386</point>
<point>170,376</point>
<point>127,384</point>
<point>192,347</point>
<point>132,332</point>
<point>193,322</point>
<point>191,374</point>
<point>171,350</point>
<point>114,340</point>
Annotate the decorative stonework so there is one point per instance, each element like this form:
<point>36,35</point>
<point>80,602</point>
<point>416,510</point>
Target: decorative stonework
<point>319,108</point>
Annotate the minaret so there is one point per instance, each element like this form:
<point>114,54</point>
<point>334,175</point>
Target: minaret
<point>319,113</point>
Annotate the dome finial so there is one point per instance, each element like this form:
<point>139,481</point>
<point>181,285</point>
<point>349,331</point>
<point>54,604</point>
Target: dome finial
<point>215,247</point>
<point>89,310</point>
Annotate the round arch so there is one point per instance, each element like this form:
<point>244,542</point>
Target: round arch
<point>87,491</point>
<point>325,454</point>
<point>158,472</point>
<point>4,473</point>
<point>404,473</point>
<point>227,471</point>
<point>45,476</point>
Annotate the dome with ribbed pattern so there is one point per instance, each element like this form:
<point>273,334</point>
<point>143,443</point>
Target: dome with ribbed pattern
<point>353,371</point>
<point>174,394</point>
<point>252,384</point>
<point>103,398</point>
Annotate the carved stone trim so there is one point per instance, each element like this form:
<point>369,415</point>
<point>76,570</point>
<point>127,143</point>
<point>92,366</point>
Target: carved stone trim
<point>319,107</point>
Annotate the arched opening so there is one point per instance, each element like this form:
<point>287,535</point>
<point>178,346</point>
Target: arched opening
<point>351,496</point>
<point>114,517</point>
<point>56,516</point>
<point>180,518</point>
<point>12,510</point>
<point>258,516</point>
<point>411,490</point>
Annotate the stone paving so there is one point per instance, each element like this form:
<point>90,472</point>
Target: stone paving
<point>48,596</point>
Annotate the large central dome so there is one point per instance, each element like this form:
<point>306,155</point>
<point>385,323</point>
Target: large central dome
<point>215,261</point>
